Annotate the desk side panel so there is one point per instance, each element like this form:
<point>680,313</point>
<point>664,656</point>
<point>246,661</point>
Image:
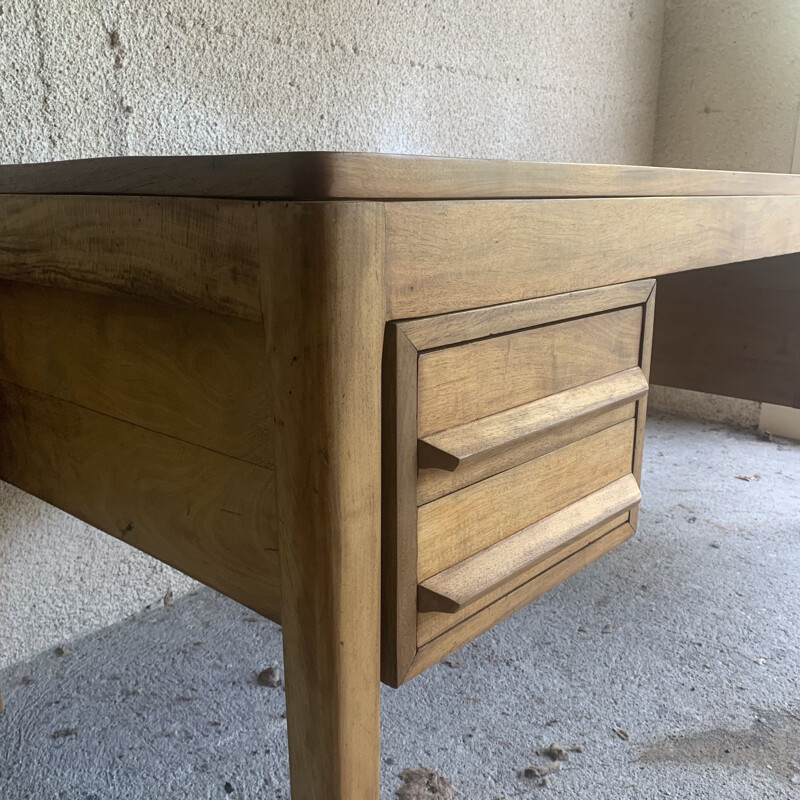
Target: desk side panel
<point>195,252</point>
<point>133,374</point>
<point>187,373</point>
<point>208,515</point>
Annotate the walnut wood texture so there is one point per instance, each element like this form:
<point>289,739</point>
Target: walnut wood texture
<point>488,437</point>
<point>439,633</point>
<point>321,175</point>
<point>478,323</point>
<point>207,514</point>
<point>497,566</point>
<point>732,331</point>
<point>193,375</point>
<point>641,404</point>
<point>444,257</point>
<point>324,279</point>
<point>323,300</point>
<point>458,525</point>
<point>526,479</point>
<point>431,625</point>
<point>461,384</point>
<point>433,483</point>
<point>199,253</point>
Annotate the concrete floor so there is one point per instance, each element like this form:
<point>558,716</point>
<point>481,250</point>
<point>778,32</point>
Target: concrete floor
<point>685,640</point>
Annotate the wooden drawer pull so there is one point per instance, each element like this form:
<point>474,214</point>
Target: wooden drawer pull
<point>449,591</point>
<point>452,448</point>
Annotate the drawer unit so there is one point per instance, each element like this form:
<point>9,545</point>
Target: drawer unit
<point>512,456</point>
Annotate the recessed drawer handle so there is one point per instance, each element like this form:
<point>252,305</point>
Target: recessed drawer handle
<point>468,581</point>
<point>452,448</point>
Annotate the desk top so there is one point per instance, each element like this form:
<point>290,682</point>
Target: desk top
<point>370,176</point>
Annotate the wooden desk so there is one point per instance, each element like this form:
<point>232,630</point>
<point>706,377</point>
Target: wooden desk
<point>383,400</point>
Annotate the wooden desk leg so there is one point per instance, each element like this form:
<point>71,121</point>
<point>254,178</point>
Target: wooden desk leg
<point>324,306</point>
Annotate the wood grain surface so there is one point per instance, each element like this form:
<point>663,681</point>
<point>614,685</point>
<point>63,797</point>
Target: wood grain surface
<point>732,331</point>
<point>461,384</point>
<point>488,437</point>
<point>461,524</point>
<point>201,253</point>
<point>399,507</point>
<point>323,302</point>
<point>427,333</point>
<point>501,564</point>
<point>197,376</point>
<point>444,257</point>
<point>327,175</point>
<point>208,515</point>
<point>433,483</point>
<point>452,638</point>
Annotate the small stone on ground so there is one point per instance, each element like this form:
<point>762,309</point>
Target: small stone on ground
<point>540,770</point>
<point>555,752</point>
<point>425,784</point>
<point>270,677</point>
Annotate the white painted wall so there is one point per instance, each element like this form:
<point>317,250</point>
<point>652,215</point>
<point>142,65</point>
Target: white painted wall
<point>562,80</point>
<point>729,98</point>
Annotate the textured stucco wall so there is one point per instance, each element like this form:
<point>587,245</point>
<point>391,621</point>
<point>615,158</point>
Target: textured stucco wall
<point>563,79</point>
<point>571,80</point>
<point>699,405</point>
<point>729,98</point>
<point>730,85</point>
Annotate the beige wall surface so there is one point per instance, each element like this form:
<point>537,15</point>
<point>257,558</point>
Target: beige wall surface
<point>555,80</point>
<point>730,85</point>
<point>563,80</point>
<point>729,98</point>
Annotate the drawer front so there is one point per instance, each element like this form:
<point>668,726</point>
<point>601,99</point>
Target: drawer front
<point>433,483</point>
<point>461,524</point>
<point>468,382</point>
<point>512,452</point>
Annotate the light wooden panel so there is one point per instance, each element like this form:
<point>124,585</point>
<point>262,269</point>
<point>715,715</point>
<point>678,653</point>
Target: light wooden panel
<point>433,483</point>
<point>448,256</point>
<point>201,253</point>
<point>323,303</point>
<point>456,448</point>
<point>473,626</point>
<point>319,176</point>
<point>502,564</point>
<point>433,624</point>
<point>464,383</point>
<point>208,515</point>
<point>197,376</point>
<point>458,525</point>
<point>732,331</point>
